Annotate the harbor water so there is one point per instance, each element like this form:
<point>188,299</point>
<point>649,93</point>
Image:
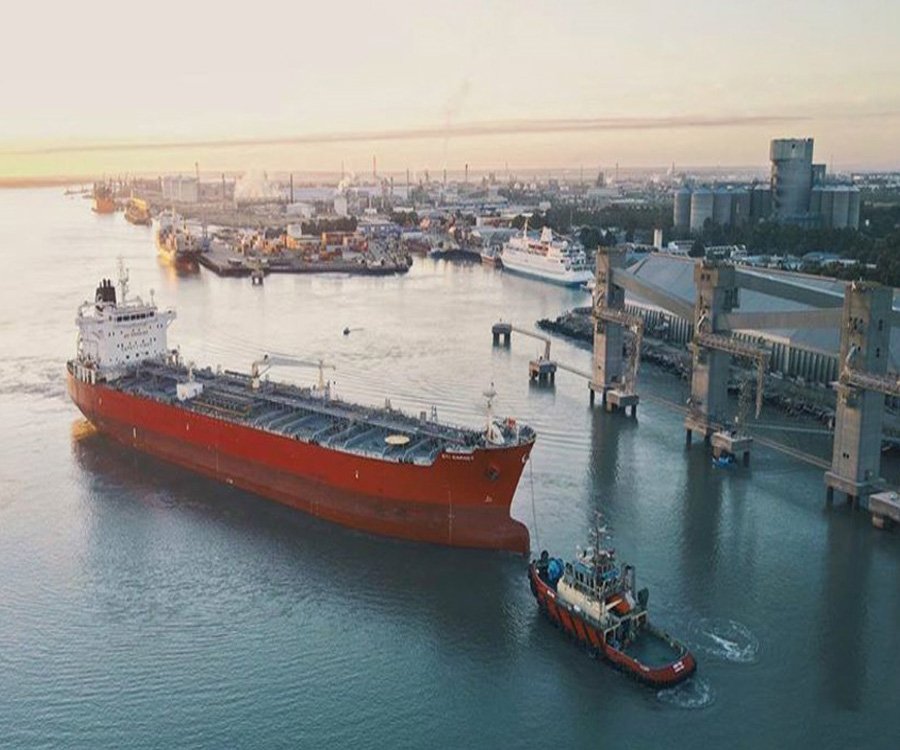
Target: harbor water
<point>142,606</point>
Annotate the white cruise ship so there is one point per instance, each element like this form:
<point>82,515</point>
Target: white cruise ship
<point>547,259</point>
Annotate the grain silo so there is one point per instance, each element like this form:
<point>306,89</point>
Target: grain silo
<point>825,205</point>
<point>855,202</point>
<point>815,203</point>
<point>740,207</point>
<point>792,176</point>
<point>701,209</point>
<point>760,202</point>
<point>682,211</point>
<point>840,209</point>
<point>722,207</point>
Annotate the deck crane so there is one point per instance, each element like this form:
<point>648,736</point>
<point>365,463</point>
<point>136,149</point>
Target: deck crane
<point>261,366</point>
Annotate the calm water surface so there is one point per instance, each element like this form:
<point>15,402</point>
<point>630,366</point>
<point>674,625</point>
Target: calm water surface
<point>144,607</point>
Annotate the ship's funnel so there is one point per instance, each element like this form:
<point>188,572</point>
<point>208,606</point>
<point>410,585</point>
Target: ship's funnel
<point>106,293</point>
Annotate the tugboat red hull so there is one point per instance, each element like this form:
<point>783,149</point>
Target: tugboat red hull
<point>577,626</point>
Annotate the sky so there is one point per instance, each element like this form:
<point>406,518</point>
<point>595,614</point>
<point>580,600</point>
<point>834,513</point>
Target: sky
<point>120,87</point>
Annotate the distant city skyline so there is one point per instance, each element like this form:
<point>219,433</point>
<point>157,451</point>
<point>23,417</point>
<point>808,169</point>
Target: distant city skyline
<point>289,86</point>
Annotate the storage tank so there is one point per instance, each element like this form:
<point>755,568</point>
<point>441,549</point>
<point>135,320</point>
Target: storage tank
<point>825,206</point>
<point>792,176</point>
<point>701,209</point>
<point>760,202</point>
<point>818,174</point>
<point>855,203</point>
<point>722,207</point>
<point>682,211</point>
<point>740,207</point>
<point>840,210</point>
<point>815,203</point>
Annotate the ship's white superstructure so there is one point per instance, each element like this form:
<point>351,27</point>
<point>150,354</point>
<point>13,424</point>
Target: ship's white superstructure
<point>113,335</point>
<point>547,258</point>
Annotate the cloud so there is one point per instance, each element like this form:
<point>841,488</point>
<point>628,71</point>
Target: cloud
<point>459,130</point>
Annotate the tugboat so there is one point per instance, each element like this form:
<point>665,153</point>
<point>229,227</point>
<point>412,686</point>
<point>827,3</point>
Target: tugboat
<point>595,602</point>
<point>104,200</point>
<point>490,256</point>
<point>137,212</point>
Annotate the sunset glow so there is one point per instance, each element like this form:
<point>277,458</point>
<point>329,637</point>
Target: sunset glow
<point>108,87</point>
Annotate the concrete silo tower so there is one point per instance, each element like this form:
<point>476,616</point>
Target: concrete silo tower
<point>682,212</point>
<point>792,176</point>
<point>701,209</point>
<point>722,203</point>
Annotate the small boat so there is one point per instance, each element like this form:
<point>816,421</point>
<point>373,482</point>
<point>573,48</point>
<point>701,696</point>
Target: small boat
<point>415,243</point>
<point>490,256</point>
<point>137,211</point>
<point>594,601</point>
<point>104,200</point>
<point>725,461</point>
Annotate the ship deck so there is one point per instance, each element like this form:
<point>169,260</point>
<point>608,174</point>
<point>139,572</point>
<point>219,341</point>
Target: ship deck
<point>303,414</point>
<point>651,650</point>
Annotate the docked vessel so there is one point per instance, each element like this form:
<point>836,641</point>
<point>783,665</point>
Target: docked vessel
<point>104,200</point>
<point>415,243</point>
<point>546,258</point>
<point>177,244</point>
<point>137,211</point>
<point>374,469</point>
<point>595,602</point>
<point>490,256</point>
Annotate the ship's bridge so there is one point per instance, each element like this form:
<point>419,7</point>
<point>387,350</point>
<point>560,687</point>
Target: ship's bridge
<point>113,336</point>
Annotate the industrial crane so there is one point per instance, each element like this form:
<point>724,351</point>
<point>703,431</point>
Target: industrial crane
<point>261,366</point>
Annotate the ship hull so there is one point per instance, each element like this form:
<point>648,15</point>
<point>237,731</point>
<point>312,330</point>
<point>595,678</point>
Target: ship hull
<point>568,279</point>
<point>592,638</point>
<point>461,500</point>
<point>104,206</point>
<point>180,259</point>
<point>138,220</point>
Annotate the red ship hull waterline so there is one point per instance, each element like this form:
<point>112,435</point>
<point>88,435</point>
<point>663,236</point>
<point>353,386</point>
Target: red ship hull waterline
<point>461,500</point>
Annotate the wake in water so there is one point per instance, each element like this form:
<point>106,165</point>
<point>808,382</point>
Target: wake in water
<point>725,639</point>
<point>692,694</point>
<point>33,376</point>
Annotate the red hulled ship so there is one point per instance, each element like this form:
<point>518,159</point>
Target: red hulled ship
<point>375,469</point>
<point>104,199</point>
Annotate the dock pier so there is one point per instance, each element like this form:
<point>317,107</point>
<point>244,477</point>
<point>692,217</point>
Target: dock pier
<point>502,333</point>
<point>542,370</point>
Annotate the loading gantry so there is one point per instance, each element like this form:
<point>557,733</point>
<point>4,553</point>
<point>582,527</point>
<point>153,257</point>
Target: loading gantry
<point>861,387</point>
<point>712,350</point>
<point>614,372</point>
